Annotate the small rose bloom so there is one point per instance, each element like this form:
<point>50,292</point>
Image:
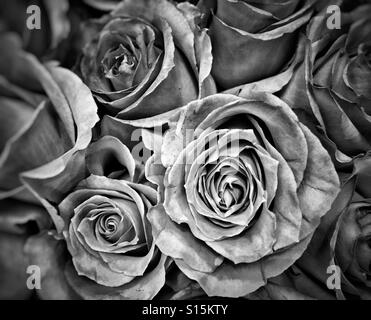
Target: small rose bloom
<point>103,246</point>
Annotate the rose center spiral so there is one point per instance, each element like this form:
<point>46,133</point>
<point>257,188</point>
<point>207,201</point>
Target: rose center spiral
<point>119,62</point>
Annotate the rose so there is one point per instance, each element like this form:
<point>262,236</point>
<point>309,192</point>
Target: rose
<point>342,94</point>
<point>103,221</point>
<point>330,90</point>
<point>242,186</point>
<point>121,255</point>
<point>253,40</point>
<point>146,58</point>
<point>47,115</point>
<point>336,264</point>
<point>54,23</point>
<point>329,93</point>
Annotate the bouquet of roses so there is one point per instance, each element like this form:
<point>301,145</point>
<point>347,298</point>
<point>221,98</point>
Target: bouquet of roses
<point>160,149</point>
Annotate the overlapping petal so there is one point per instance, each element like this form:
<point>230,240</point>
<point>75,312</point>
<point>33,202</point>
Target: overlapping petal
<point>53,114</point>
<point>238,198</point>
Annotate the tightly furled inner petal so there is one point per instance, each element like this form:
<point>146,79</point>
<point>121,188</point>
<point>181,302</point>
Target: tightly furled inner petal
<point>114,227</point>
<point>106,229</point>
<point>105,225</point>
<point>119,66</point>
<point>224,185</point>
<point>226,182</point>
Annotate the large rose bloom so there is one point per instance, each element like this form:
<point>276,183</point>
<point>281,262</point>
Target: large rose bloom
<point>243,186</point>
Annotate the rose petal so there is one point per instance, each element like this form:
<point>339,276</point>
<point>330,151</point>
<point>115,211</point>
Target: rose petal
<point>176,241</point>
<point>142,288</point>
